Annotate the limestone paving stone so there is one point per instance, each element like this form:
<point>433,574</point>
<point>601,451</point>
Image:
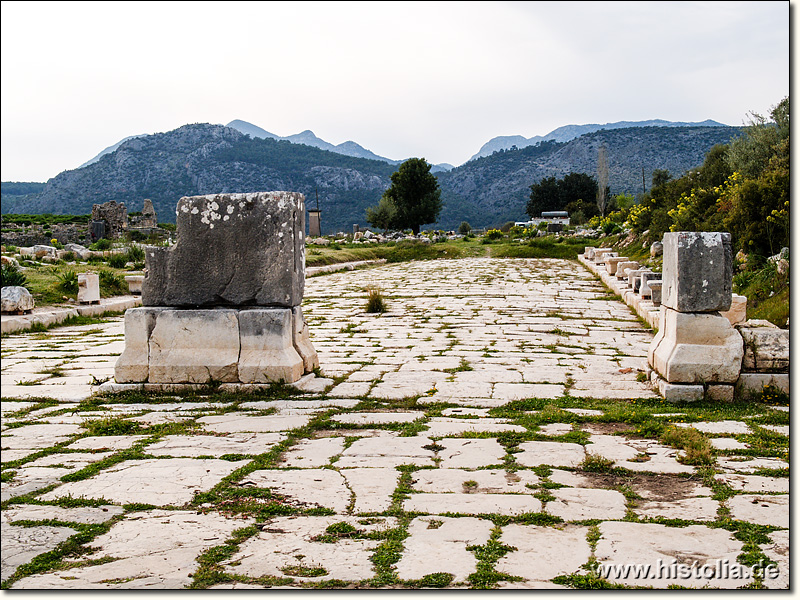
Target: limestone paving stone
<point>447,426</point>
<point>106,442</point>
<point>305,487</point>
<point>481,481</point>
<point>372,487</point>
<point>579,504</point>
<point>309,454</point>
<point>160,482</point>
<point>469,453</point>
<point>555,454</point>
<point>543,553</point>
<point>243,422</point>
<point>778,551</point>
<point>689,509</point>
<point>748,464</point>
<point>155,549</point>
<point>770,510</point>
<point>657,547</point>
<point>43,512</point>
<point>472,504</point>
<point>387,451</point>
<point>216,446</point>
<point>22,544</point>
<point>755,483</point>
<point>288,542</point>
<point>440,544</point>
<point>378,418</point>
<point>719,427</point>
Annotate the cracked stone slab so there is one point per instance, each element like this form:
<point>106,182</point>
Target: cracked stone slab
<point>309,454</point>
<point>43,512</point>
<point>242,422</point>
<point>579,504</point>
<point>755,483</point>
<point>721,443</point>
<point>378,418</point>
<point>106,442</point>
<point>160,482</point>
<point>719,427</point>
<point>373,488</point>
<point>648,544</point>
<point>689,509</point>
<point>20,545</point>
<point>482,481</point>
<point>306,487</point>
<point>778,550</point>
<point>387,451</point>
<point>543,553</point>
<point>436,545</point>
<point>470,453</point>
<point>771,510</point>
<point>38,436</point>
<point>446,426</point>
<point>155,549</point>
<point>192,446</point>
<point>472,504</point>
<point>637,454</point>
<point>556,454</point>
<point>277,547</point>
<point>748,464</point>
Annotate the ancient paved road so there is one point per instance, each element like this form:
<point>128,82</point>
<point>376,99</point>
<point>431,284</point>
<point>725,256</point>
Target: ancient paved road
<point>525,374</point>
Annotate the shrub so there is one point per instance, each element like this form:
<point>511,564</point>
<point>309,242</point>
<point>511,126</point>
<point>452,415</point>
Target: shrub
<point>11,275</point>
<point>68,281</point>
<point>135,254</point>
<point>464,228</point>
<point>494,234</point>
<point>117,261</point>
<point>69,257</point>
<point>101,244</point>
<point>695,445</point>
<point>111,283</point>
<point>375,300</point>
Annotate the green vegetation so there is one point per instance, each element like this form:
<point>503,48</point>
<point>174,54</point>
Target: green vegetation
<point>375,300</point>
<point>575,193</point>
<point>413,199</point>
<point>11,275</point>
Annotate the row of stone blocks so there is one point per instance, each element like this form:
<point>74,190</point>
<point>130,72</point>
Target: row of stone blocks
<point>697,351</point>
<point>222,345</point>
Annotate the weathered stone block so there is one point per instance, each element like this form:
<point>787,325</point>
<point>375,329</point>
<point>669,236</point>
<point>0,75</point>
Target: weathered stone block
<point>737,313</point>
<point>680,392</point>
<point>644,279</point>
<point>720,393</point>
<point>302,341</point>
<point>750,385</point>
<point>16,299</point>
<point>133,365</point>
<point>135,284</point>
<point>194,346</point>
<point>765,349</point>
<point>88,288</point>
<point>698,271</point>
<point>654,285</point>
<point>612,262</point>
<point>267,350</point>
<point>696,348</point>
<point>598,254</point>
<point>231,250</point>
<point>633,277</point>
<point>81,252</point>
<point>624,266</point>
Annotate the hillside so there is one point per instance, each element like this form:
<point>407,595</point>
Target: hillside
<point>499,184</point>
<point>566,133</point>
<point>204,159</point>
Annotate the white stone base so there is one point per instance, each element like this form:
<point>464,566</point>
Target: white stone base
<point>88,288</point>
<point>166,346</point>
<point>696,348</point>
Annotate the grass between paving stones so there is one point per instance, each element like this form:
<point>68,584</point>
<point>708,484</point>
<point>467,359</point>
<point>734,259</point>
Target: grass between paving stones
<point>68,322</point>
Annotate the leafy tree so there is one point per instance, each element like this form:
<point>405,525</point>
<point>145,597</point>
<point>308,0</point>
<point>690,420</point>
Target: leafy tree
<point>575,192</point>
<point>415,194</point>
<point>602,180</point>
<point>660,177</point>
<point>464,228</point>
<point>383,214</point>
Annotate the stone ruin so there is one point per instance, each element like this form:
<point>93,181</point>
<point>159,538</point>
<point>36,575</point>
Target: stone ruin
<point>698,352</point>
<point>147,220</point>
<point>109,220</point>
<point>223,304</point>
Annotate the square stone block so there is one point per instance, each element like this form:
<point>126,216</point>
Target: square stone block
<point>696,348</point>
<point>737,313</point>
<point>135,284</point>
<point>88,288</point>
<point>765,349</point>
<point>698,271</point>
<point>231,250</point>
<point>194,346</point>
<point>133,365</point>
<point>623,266</point>
<point>613,261</point>
<point>750,385</point>
<point>267,351</point>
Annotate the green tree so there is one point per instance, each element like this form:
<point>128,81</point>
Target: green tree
<point>575,192</point>
<point>383,214</point>
<point>415,194</point>
<point>544,197</point>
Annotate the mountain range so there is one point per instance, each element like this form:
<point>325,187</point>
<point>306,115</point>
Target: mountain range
<point>487,191</point>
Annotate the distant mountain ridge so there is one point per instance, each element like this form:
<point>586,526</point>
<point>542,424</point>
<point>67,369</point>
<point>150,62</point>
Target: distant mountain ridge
<point>207,159</point>
<point>570,132</point>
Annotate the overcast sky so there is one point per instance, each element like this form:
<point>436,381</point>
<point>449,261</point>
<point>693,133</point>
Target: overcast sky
<point>427,79</point>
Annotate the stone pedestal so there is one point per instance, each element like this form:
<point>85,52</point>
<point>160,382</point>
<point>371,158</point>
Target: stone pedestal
<point>88,288</point>
<point>135,284</point>
<point>612,262</point>
<point>624,266</point>
<point>696,348</point>
<point>256,345</point>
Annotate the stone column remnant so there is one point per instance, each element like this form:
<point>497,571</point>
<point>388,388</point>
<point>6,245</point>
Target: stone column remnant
<point>697,351</point>
<point>223,303</point>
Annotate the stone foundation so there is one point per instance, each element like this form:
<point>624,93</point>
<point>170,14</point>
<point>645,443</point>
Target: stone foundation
<point>223,345</point>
